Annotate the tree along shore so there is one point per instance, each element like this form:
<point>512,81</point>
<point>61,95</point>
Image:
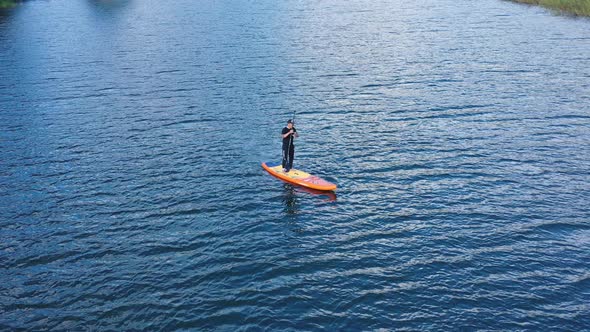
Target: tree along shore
<point>7,3</point>
<point>575,7</point>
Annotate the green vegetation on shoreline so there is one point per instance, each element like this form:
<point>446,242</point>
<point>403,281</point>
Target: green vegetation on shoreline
<point>575,7</point>
<point>7,3</point>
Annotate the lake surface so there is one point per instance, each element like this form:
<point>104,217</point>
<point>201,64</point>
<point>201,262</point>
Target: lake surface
<point>132,197</point>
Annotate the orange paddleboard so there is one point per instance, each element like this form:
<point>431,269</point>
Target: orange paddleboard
<point>298,177</point>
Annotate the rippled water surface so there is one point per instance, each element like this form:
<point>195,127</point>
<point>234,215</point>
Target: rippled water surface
<point>132,197</point>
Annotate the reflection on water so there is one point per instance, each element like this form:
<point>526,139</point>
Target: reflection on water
<point>6,13</point>
<point>329,196</point>
<point>291,193</point>
<point>109,3</point>
<point>290,199</point>
<point>108,8</point>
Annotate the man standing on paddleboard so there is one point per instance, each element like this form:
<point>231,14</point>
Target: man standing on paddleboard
<point>289,133</point>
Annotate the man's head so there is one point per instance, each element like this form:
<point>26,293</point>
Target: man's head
<point>290,124</point>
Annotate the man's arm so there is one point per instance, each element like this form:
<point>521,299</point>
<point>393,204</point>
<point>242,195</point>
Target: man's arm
<point>288,133</point>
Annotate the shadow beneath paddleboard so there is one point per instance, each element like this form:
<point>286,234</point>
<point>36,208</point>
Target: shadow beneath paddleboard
<point>290,200</point>
<point>329,196</point>
<point>290,196</point>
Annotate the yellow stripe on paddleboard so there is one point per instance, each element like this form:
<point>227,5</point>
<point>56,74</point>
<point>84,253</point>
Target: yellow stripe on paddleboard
<point>293,174</point>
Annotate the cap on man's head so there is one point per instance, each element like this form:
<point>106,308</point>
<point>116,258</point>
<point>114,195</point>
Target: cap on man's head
<point>289,121</point>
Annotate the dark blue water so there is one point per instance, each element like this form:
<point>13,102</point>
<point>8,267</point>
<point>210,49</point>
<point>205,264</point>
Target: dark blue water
<point>132,197</point>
